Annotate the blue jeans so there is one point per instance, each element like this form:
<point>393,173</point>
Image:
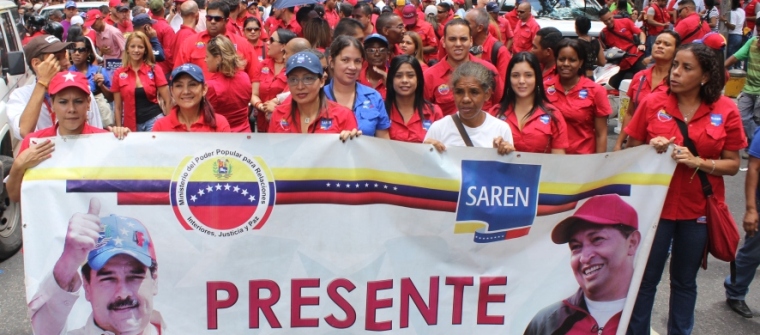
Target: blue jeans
<point>747,261</point>
<point>734,44</point>
<point>689,239</point>
<point>749,106</point>
<point>148,125</point>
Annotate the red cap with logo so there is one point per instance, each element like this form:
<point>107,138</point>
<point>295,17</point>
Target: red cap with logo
<point>604,210</point>
<point>67,79</point>
<point>409,15</point>
<point>92,16</point>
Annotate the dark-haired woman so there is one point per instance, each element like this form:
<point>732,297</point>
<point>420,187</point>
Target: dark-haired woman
<point>346,59</point>
<point>594,51</point>
<point>536,126</point>
<point>651,80</point>
<point>229,89</point>
<point>411,116</point>
<point>273,79</point>
<point>715,128</point>
<point>309,111</point>
<point>317,31</point>
<point>582,102</point>
<point>193,113</point>
<point>256,36</point>
<point>83,59</point>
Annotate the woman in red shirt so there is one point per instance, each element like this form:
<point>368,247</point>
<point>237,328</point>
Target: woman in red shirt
<point>273,79</point>
<point>536,126</point>
<point>309,110</point>
<point>411,116</point>
<point>229,88</point>
<point>136,86</point>
<point>714,126</point>
<point>193,113</point>
<point>653,79</point>
<point>256,36</point>
<point>582,103</point>
<point>412,45</point>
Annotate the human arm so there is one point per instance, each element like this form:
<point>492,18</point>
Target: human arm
<point>46,70</point>
<point>102,84</point>
<point>117,108</point>
<point>729,25</point>
<point>600,132</point>
<point>727,164</point>
<point>384,134</point>
<point>158,50</point>
<point>623,135</point>
<point>750,196</point>
<point>503,146</point>
<point>600,60</point>
<point>166,104</point>
<point>255,99</point>
<point>27,159</point>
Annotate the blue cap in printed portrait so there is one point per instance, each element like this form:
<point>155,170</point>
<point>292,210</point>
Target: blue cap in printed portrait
<point>121,235</point>
<point>304,60</point>
<point>190,69</point>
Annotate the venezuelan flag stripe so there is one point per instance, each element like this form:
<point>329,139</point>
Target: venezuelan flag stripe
<point>362,186</point>
<point>562,199</point>
<point>619,179</point>
<point>367,198</point>
<point>116,185</point>
<point>355,175</point>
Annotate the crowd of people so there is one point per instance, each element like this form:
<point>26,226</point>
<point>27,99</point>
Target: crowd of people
<point>429,72</point>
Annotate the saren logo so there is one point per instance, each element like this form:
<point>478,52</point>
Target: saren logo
<point>497,201</point>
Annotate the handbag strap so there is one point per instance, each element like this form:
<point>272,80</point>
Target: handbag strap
<point>706,186</point>
<point>462,131</point>
<point>636,98</point>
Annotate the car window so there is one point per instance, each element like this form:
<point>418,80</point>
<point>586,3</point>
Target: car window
<point>560,9</point>
<point>12,43</point>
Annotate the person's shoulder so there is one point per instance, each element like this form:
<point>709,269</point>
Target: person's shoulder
<point>222,125</point>
<point>546,320</point>
<point>368,91</point>
<point>88,129</point>
<point>45,132</point>
<point>724,105</point>
<point>163,124</point>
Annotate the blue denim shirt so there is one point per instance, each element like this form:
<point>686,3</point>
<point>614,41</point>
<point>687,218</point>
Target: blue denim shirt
<point>92,70</point>
<point>369,109</point>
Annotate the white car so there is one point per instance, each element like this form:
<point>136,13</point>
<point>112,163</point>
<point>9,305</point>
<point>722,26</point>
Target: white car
<point>561,14</point>
<point>82,7</point>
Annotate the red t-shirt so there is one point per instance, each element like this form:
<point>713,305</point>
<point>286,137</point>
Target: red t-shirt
<point>626,29</point>
<point>270,86</point>
<point>438,91</point>
<point>53,131</point>
<point>750,11</point>
<point>541,132</point>
<point>661,16</point>
<point>124,26</point>
<point>415,129</point>
<point>332,17</point>
<point>524,33</point>
<point>274,23</point>
<point>637,95</point>
<point>183,34</point>
<point>714,128</point>
<point>427,33</point>
<point>506,30</point>
<point>193,50</point>
<point>124,82</point>
<point>691,26</point>
<point>332,120</point>
<point>171,123</point>
<point>166,37</point>
<point>380,88</point>
<point>502,59</point>
<point>230,98</point>
<point>232,27</point>
<point>580,107</point>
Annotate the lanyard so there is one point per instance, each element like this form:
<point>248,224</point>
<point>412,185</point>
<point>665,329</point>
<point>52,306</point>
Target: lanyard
<point>46,101</point>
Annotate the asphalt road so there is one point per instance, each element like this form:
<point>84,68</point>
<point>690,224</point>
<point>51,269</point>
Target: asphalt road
<point>712,315</point>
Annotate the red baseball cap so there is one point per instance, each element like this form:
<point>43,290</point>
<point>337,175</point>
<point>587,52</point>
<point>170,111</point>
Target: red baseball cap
<point>409,15</point>
<point>67,79</point>
<point>605,210</point>
<point>92,16</point>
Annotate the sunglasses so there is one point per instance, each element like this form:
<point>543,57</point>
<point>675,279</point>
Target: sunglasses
<point>211,18</point>
<point>79,50</point>
<point>442,11</point>
<point>252,29</point>
<point>272,40</point>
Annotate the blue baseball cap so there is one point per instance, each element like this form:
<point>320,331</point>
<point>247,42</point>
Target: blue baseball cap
<point>122,235</point>
<point>70,4</point>
<point>190,69</point>
<point>141,20</point>
<point>375,36</point>
<point>304,60</point>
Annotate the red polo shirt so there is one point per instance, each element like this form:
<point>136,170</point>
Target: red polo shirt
<point>580,107</point>
<point>274,23</point>
<point>332,17</point>
<point>442,25</point>
<point>260,49</point>
<point>270,86</point>
<point>512,18</point>
<point>415,130</point>
<point>714,128</point>
<point>183,34</point>
<point>123,26</point>
<point>506,30</point>
<point>689,25</point>
<point>166,37</point>
<point>380,88</point>
<point>193,50</point>
<point>550,73</point>
<point>124,82</point>
<point>524,34</point>
<point>331,120</point>
<point>234,28</point>
<point>230,98</point>
<point>171,123</point>
<point>53,131</point>
<point>427,33</point>
<point>438,91</point>
<point>637,94</point>
<point>502,59</point>
<point>541,132</point>
<point>626,29</point>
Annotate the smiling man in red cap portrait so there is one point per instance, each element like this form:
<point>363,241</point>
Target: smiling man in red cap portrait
<point>603,238</point>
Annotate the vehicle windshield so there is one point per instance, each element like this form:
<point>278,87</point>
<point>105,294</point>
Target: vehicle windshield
<point>561,9</point>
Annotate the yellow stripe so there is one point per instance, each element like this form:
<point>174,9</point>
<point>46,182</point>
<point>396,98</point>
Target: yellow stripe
<point>623,178</point>
<point>100,173</point>
<point>366,174</point>
<point>468,227</point>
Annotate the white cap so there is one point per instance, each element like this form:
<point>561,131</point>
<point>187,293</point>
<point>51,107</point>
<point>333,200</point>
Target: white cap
<point>76,19</point>
<point>431,9</point>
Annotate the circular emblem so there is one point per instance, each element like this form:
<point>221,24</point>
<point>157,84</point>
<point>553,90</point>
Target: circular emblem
<point>663,116</point>
<point>199,44</point>
<point>544,119</point>
<point>265,70</point>
<point>443,89</point>
<point>222,193</point>
<point>123,75</point>
<point>583,93</point>
<point>551,89</point>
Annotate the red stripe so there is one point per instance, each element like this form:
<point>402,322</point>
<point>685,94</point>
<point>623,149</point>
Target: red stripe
<point>544,210</point>
<point>365,198</point>
<point>142,198</point>
<point>515,233</point>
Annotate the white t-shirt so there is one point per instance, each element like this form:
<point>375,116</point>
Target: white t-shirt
<point>603,311</point>
<point>445,131</point>
<point>737,19</point>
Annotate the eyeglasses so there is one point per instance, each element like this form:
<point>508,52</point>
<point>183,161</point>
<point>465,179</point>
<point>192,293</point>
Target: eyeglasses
<point>678,12</point>
<point>442,11</point>
<point>307,80</point>
<point>376,50</point>
<point>250,30</point>
<point>272,40</point>
<point>400,26</point>
<point>212,18</point>
<point>79,50</point>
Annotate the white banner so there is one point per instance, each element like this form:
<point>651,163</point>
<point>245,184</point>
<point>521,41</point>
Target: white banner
<point>292,234</point>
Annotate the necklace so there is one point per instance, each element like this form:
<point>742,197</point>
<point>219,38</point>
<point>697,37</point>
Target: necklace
<point>307,120</point>
<point>687,116</point>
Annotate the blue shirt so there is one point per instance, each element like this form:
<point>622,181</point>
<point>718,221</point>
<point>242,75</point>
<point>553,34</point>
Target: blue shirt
<point>369,109</point>
<point>92,70</point>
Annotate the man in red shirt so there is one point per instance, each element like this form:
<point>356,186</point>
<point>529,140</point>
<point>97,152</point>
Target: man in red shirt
<point>422,28</point>
<point>189,13</point>
<point>484,43</point>
<point>512,17</point>
<point>623,34</point>
<point>363,13</point>
<point>690,26</point>
<point>657,20</point>
<point>544,46</point>
<point>164,33</point>
<point>193,50</point>
<point>331,13</point>
<point>505,30</point>
<point>119,16</point>
<point>237,10</point>
<point>392,28</point>
<point>283,18</point>
<point>525,30</point>
<point>457,42</point>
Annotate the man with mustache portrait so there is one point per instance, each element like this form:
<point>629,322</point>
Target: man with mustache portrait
<point>119,278</point>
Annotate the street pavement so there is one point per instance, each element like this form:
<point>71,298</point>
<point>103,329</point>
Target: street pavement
<point>712,315</point>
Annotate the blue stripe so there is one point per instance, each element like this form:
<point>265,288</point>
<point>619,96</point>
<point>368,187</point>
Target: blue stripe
<point>562,199</point>
<point>361,186</point>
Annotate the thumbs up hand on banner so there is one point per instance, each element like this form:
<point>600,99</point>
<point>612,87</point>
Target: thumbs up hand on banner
<point>81,237</point>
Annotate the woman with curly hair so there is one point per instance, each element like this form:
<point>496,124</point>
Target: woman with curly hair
<point>229,88</point>
<point>714,126</point>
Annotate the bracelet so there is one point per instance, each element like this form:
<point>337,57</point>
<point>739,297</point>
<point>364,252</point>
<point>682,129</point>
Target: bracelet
<point>713,169</point>
<point>43,85</point>
<point>258,105</point>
